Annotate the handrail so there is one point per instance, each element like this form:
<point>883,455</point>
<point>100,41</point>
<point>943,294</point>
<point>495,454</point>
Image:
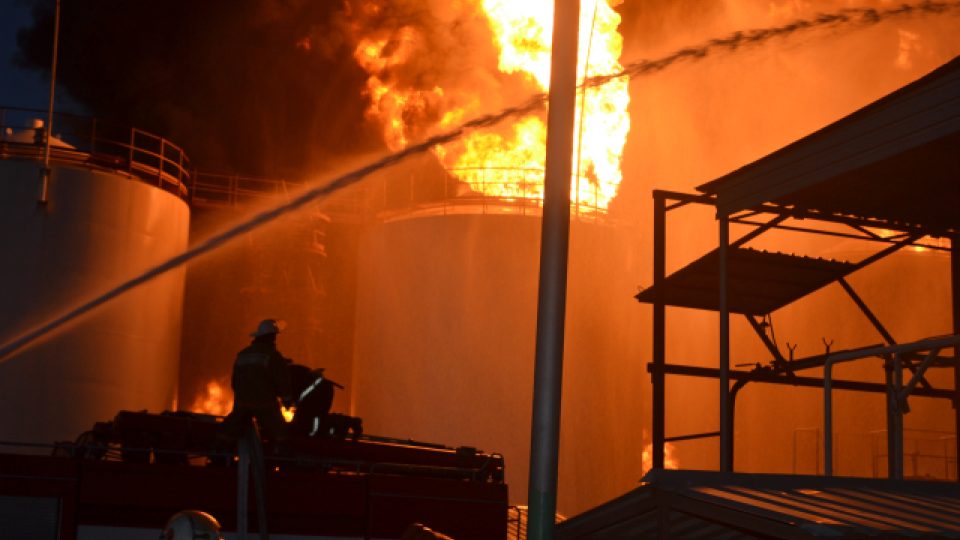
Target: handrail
<point>89,141</point>
<point>896,395</point>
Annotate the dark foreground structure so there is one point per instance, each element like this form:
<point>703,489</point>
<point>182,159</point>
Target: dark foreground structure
<point>891,166</point>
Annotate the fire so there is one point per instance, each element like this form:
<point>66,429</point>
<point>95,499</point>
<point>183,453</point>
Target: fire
<point>669,461</point>
<point>217,399</point>
<point>508,163</point>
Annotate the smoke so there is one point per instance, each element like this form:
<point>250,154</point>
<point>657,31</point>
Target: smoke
<point>262,87</point>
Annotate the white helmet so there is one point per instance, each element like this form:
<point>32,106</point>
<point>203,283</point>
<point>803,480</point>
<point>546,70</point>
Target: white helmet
<point>268,326</point>
<point>192,525</point>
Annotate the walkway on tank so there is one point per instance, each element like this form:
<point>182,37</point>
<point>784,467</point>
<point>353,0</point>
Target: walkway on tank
<point>89,142</point>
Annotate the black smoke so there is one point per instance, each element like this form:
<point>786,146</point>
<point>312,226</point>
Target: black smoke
<point>260,87</point>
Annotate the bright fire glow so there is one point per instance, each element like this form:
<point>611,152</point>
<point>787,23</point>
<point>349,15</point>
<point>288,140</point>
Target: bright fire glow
<point>669,461</point>
<point>217,399</point>
<point>509,163</point>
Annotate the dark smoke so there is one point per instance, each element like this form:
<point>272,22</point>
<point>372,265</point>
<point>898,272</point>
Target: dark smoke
<point>262,87</point>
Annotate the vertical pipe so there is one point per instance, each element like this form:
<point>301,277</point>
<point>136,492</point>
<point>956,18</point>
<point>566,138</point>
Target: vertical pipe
<point>897,412</point>
<point>45,171</point>
<point>658,378</point>
<point>551,302</point>
<point>891,410</point>
<point>955,296</point>
<point>828,417</point>
<point>726,436</point>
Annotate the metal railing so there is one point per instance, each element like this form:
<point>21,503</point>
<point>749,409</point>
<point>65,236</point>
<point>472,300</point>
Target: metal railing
<point>88,141</point>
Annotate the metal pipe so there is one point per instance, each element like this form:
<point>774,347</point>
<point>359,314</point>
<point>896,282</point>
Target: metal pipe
<point>726,437</point>
<point>45,171</point>
<point>828,417</point>
<point>896,447</point>
<point>955,297</point>
<point>554,244</point>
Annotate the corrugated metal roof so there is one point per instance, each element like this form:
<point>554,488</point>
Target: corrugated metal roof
<point>759,282</point>
<point>704,504</point>
<point>893,160</point>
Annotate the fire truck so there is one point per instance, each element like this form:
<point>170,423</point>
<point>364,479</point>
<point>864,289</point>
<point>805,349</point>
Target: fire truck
<point>124,478</point>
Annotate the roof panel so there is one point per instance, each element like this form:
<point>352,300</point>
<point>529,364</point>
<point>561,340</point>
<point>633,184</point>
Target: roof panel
<point>759,282</point>
<point>894,159</point>
<point>766,505</point>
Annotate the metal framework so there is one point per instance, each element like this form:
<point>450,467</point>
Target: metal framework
<point>916,357</point>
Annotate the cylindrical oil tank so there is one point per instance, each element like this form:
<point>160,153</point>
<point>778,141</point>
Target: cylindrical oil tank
<point>445,340</point>
<point>99,228</point>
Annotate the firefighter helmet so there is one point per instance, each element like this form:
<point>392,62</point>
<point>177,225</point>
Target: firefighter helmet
<point>192,525</point>
<point>268,326</point>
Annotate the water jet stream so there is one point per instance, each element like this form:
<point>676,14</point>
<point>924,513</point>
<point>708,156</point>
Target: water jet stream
<point>858,17</point>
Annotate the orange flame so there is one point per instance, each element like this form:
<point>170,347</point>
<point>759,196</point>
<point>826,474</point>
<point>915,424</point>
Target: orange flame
<point>509,163</point>
<point>669,460</point>
<point>217,399</point>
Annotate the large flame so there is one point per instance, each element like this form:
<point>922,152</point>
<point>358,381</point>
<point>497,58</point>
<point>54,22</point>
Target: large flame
<point>509,163</point>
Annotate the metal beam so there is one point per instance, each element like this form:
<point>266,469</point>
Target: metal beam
<point>770,377</point>
<point>552,297</point>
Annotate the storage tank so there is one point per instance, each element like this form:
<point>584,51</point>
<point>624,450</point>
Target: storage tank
<point>100,227</point>
<point>445,339</point>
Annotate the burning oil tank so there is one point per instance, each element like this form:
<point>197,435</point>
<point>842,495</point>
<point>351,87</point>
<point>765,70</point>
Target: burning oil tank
<point>100,226</point>
<point>445,339</point>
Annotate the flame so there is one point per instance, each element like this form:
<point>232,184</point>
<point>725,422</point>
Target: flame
<point>669,461</point>
<point>508,163</point>
<point>215,399</point>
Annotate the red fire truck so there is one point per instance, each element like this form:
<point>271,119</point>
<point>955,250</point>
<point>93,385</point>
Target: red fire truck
<point>125,478</point>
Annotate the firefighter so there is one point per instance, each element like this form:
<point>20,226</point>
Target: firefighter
<point>261,382</point>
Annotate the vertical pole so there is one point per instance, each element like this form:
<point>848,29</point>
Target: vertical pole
<point>828,417</point>
<point>45,171</point>
<point>551,303</point>
<point>891,412</point>
<point>658,378</point>
<point>897,412</point>
<point>243,486</point>
<point>726,436</point>
<point>955,296</point>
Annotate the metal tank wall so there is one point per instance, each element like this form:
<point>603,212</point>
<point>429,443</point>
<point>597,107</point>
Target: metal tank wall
<point>445,337</point>
<point>98,229</point>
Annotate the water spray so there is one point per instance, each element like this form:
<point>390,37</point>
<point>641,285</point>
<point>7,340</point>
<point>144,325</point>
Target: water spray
<point>859,17</point>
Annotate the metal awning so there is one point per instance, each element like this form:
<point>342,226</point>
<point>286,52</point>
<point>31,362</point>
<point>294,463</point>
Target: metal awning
<point>706,504</point>
<point>759,281</point>
<point>894,160</point>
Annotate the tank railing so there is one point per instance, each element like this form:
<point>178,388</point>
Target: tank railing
<point>897,393</point>
<point>481,190</point>
<point>92,142</point>
<point>235,190</point>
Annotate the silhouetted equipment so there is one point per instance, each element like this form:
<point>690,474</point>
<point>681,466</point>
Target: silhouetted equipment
<point>140,465</point>
<point>313,396</point>
<point>890,166</point>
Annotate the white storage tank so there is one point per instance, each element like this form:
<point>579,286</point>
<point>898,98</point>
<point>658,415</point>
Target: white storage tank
<point>445,339</point>
<point>99,228</point>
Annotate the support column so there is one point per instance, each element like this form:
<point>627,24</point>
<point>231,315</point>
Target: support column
<point>658,378</point>
<point>955,296</point>
<point>551,302</point>
<point>726,434</point>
